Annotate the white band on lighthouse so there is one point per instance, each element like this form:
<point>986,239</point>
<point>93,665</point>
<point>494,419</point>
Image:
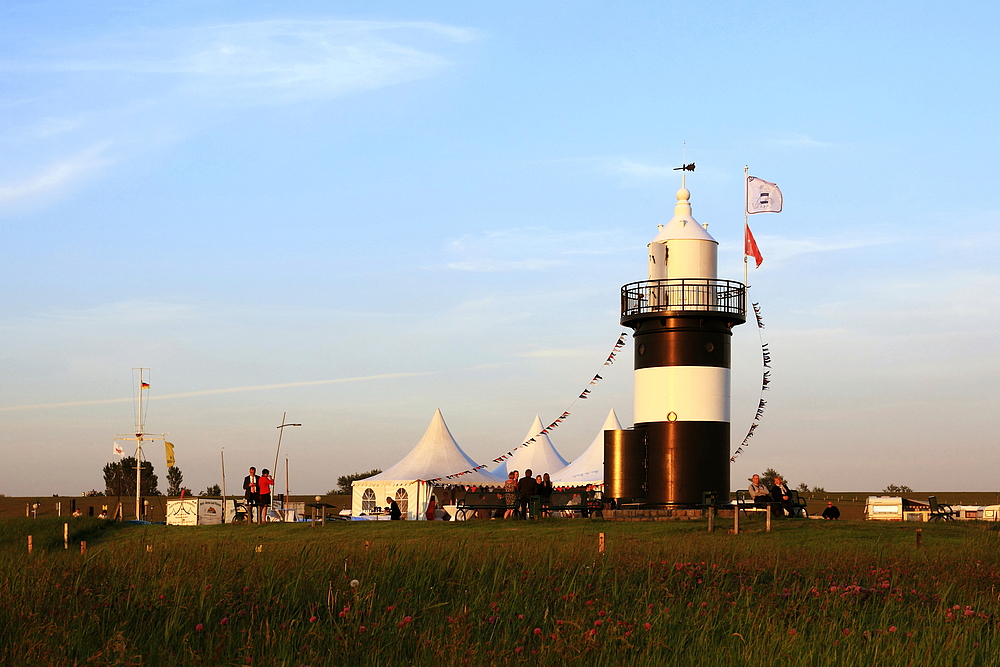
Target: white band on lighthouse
<point>694,393</point>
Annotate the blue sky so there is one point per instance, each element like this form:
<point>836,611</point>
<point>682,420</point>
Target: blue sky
<point>435,205</point>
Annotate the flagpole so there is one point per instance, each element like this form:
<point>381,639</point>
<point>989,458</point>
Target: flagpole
<point>223,455</point>
<point>746,221</point>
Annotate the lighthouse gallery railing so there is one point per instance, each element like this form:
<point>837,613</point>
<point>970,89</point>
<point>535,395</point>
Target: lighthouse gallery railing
<point>684,294</point>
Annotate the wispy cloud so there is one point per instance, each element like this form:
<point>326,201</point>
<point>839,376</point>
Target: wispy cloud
<point>779,248</point>
<point>640,170</point>
<point>798,140</point>
<point>214,392</point>
<point>145,88</point>
<point>527,249</point>
<point>560,353</point>
<point>55,177</point>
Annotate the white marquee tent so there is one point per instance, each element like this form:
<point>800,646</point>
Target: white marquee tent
<point>588,468</point>
<point>539,456</point>
<point>436,455</point>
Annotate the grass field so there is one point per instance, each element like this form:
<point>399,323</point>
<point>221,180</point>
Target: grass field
<point>483,593</point>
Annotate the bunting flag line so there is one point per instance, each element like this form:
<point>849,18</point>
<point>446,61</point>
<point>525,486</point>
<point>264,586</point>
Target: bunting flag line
<point>619,344</point>
<point>765,355</point>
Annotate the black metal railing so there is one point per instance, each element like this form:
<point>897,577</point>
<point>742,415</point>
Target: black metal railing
<point>685,295</point>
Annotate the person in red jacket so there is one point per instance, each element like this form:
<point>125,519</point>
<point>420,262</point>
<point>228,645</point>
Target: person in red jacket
<point>264,484</point>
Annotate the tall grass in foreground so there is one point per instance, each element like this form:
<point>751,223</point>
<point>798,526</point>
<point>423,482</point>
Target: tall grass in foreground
<point>499,593</point>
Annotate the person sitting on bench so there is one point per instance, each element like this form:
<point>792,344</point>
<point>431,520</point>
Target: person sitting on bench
<point>780,498</point>
<point>759,494</point>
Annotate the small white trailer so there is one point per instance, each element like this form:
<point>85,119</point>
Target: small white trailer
<point>896,508</point>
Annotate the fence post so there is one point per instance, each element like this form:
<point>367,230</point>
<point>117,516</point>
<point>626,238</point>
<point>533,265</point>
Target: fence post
<point>65,536</point>
<point>711,519</point>
<point>83,546</point>
<point>736,521</point>
<point>768,521</point>
<point>29,544</point>
<point>920,537</point>
<point>600,543</point>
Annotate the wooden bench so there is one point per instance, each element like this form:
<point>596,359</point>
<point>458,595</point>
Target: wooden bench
<point>745,504</point>
<point>798,504</point>
<point>473,501</point>
<point>588,503</point>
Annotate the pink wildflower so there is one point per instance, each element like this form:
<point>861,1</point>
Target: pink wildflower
<point>199,627</point>
<point>312,619</point>
<point>224,621</point>
<point>538,631</point>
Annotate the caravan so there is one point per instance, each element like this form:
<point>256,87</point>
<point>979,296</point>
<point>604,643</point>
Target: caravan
<point>895,508</point>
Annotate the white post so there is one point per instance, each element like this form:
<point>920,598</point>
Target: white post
<point>224,487</point>
<point>65,536</point>
<point>746,222</point>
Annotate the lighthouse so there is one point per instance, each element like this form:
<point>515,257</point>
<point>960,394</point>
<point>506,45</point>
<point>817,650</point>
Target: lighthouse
<point>683,317</point>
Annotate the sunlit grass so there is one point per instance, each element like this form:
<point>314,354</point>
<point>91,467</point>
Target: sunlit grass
<point>499,593</point>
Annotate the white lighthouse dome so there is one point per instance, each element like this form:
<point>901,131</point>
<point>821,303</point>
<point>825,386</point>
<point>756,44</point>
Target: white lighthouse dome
<point>683,225</point>
<point>683,248</point>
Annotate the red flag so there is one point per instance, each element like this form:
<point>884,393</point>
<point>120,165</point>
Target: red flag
<point>750,248</point>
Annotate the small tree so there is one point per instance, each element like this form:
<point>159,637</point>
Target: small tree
<point>213,490</point>
<point>175,478</point>
<point>344,482</point>
<point>802,487</point>
<point>893,490</point>
<point>767,479</point>
<point>119,478</point>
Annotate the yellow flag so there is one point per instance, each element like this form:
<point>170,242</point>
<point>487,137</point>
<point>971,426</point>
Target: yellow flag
<point>169,446</point>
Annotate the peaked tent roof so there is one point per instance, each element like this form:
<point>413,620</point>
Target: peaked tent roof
<point>588,468</point>
<point>539,456</point>
<point>437,455</point>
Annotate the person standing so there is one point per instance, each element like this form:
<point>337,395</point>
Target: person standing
<point>394,513</point>
<point>251,491</point>
<point>431,507</point>
<point>264,485</point>
<point>545,491</point>
<point>510,494</point>
<point>527,487</point>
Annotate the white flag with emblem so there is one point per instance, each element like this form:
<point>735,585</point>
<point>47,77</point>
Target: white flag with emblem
<point>118,449</point>
<point>762,197</point>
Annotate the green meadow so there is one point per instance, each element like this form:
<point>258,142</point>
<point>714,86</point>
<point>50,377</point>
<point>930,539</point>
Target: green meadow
<point>498,593</point>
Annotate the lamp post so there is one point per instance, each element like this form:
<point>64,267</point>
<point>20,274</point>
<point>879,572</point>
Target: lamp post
<point>281,430</point>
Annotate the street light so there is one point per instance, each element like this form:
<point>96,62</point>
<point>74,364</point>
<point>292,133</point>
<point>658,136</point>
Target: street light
<point>280,431</point>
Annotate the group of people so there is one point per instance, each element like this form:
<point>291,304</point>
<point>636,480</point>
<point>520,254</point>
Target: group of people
<point>257,493</point>
<point>778,498</point>
<point>518,491</point>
